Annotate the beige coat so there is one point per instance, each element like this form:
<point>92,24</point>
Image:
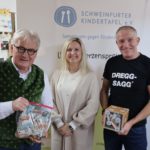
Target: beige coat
<point>83,107</point>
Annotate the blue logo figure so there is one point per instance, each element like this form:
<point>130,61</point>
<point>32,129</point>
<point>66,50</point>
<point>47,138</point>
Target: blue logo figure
<point>65,16</point>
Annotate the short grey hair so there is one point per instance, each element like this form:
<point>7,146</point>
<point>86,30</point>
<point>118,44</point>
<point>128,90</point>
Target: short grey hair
<point>127,28</point>
<point>23,35</point>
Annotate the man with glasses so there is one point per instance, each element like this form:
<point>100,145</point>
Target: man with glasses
<point>21,82</point>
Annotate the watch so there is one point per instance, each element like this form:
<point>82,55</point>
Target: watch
<point>70,127</point>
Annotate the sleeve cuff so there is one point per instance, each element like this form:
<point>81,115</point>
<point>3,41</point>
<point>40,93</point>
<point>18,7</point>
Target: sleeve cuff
<point>6,109</point>
<point>58,122</point>
<point>74,125</point>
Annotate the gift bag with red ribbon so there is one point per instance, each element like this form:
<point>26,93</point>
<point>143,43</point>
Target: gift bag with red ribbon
<point>34,121</point>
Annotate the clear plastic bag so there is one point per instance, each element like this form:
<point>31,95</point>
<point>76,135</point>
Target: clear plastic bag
<point>34,121</point>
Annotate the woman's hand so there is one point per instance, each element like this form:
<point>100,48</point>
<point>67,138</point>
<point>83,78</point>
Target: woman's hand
<point>65,130</point>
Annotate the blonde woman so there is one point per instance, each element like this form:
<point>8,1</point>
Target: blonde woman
<point>76,96</point>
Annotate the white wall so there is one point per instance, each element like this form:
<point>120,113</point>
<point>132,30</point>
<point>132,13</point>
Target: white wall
<point>8,4</point>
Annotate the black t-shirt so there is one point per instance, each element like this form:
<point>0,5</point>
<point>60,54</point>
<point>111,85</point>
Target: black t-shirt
<point>128,83</point>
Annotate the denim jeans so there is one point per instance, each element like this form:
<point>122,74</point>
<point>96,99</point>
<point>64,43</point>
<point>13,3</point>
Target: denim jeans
<point>135,140</point>
<point>25,146</point>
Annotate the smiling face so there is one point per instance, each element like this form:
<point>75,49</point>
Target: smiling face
<point>23,61</point>
<point>74,53</point>
<point>127,42</point>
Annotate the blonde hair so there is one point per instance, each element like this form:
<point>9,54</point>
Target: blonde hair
<point>84,67</point>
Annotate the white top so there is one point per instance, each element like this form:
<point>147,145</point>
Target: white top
<point>67,84</point>
<point>46,98</point>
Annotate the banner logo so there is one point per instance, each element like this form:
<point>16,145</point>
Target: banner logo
<point>65,16</point>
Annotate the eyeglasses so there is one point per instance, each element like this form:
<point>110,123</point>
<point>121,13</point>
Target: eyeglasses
<point>22,50</point>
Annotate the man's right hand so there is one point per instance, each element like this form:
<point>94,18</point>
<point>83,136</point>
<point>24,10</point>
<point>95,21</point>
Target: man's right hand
<point>20,104</point>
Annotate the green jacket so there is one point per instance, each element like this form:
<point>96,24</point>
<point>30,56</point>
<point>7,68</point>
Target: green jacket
<point>12,87</point>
